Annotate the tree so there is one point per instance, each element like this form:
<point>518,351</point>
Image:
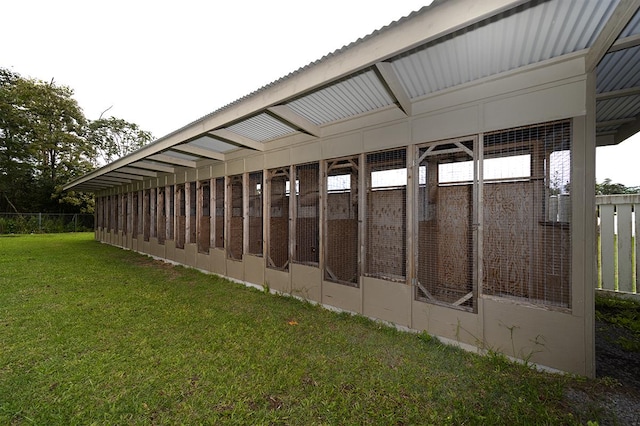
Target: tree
<point>46,141</point>
<point>113,138</point>
<point>609,188</point>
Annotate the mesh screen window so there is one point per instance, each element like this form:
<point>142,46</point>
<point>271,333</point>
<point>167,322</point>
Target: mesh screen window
<point>279,195</point>
<point>446,178</point>
<point>236,223</point>
<point>527,214</point>
<point>307,214</point>
<point>255,213</point>
<point>341,236</point>
<point>386,215</point>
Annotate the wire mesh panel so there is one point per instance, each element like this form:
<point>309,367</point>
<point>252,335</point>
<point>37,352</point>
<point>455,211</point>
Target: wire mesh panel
<point>125,208</point>
<point>153,217</point>
<point>181,216</point>
<point>255,213</point>
<point>307,210</point>
<point>170,208</point>
<point>445,214</point>
<point>278,242</point>
<point>341,239</point>
<point>527,231</point>
<point>193,210</point>
<point>219,219</point>
<point>139,213</point>
<point>386,215</point>
<point>204,216</point>
<point>161,215</point>
<point>236,223</point>
<point>147,214</point>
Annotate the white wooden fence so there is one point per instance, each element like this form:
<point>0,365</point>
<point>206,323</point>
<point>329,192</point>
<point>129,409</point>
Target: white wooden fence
<point>619,223</point>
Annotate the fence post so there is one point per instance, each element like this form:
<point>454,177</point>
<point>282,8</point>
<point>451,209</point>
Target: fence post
<point>40,222</point>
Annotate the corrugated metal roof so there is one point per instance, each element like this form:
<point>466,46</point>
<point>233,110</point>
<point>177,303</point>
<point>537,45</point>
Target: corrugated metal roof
<point>213,144</point>
<point>523,36</point>
<point>356,95</point>
<point>619,70</point>
<point>527,34</point>
<point>261,127</point>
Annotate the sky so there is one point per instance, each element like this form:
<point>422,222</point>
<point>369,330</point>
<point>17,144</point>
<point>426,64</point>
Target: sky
<point>163,64</point>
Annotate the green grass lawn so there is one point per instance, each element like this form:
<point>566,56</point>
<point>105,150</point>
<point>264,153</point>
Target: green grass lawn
<point>94,334</point>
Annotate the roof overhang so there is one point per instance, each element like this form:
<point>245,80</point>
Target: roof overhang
<point>393,66</point>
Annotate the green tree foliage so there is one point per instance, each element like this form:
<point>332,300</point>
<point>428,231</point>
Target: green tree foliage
<point>609,188</point>
<point>46,141</point>
<point>113,138</point>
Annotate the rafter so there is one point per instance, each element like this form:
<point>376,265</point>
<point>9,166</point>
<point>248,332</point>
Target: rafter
<point>198,150</point>
<point>154,166</point>
<point>290,117</point>
<point>625,43</point>
<point>631,91</point>
<point>137,171</point>
<point>390,79</point>
<point>236,139</point>
<point>619,19</point>
<point>164,158</point>
<point>125,175</point>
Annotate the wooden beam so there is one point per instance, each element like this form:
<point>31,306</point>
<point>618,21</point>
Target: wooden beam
<point>625,43</point>
<point>618,122</point>
<point>290,117</point>
<point>631,91</point>
<point>154,166</point>
<point>236,139</point>
<point>202,152</point>
<point>164,158</point>
<point>141,172</point>
<point>619,19</point>
<point>390,80</point>
<point>627,130</point>
<point>125,175</point>
<point>114,179</point>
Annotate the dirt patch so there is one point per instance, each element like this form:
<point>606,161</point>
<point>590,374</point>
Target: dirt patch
<point>619,367</point>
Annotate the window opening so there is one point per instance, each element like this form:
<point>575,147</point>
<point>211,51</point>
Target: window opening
<point>279,196</point>
<point>162,216</point>
<point>527,233</point>
<point>219,219</point>
<point>255,213</point>
<point>170,211</point>
<point>204,218</point>
<point>445,198</point>
<point>386,215</point>
<point>307,208</point>
<point>342,222</point>
<point>236,224</point>
<point>147,214</point>
<point>192,206</point>
<point>181,217</point>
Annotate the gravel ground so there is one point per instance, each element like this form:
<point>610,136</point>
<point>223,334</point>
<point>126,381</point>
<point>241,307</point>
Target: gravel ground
<point>617,398</point>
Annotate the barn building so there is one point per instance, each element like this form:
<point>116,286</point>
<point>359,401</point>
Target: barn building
<point>437,174</point>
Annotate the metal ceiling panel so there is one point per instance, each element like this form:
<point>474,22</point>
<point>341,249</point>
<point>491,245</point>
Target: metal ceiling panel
<point>182,155</point>
<point>213,144</point>
<point>633,27</point>
<point>526,35</point>
<point>618,70</point>
<point>618,108</point>
<point>356,95</point>
<point>261,127</point>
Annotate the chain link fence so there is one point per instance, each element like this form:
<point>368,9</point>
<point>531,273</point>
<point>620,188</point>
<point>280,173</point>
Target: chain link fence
<point>44,223</point>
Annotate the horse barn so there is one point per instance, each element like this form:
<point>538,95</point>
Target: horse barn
<point>437,174</point>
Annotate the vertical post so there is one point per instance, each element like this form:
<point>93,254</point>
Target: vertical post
<point>583,224</point>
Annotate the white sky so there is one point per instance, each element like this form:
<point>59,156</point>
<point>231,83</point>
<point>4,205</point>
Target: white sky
<point>163,64</point>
